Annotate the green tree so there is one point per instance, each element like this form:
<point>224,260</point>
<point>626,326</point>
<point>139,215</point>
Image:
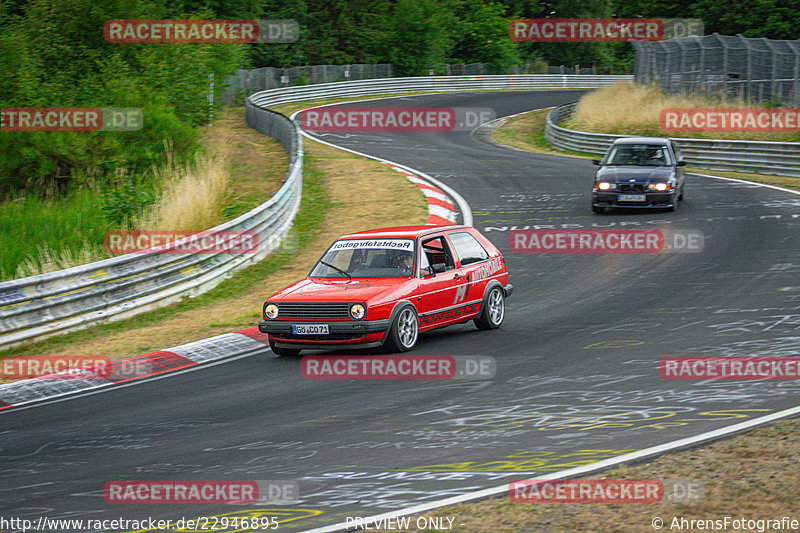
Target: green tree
<point>419,36</point>
<point>773,19</point>
<point>55,55</point>
<point>480,35</point>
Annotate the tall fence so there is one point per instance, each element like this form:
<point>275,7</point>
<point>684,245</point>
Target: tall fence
<point>756,70</point>
<point>247,82</point>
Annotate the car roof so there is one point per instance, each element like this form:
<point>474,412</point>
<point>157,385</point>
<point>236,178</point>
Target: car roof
<point>400,231</point>
<point>642,140</point>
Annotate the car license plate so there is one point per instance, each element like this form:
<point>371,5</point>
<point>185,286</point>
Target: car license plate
<point>310,329</point>
<point>631,198</point>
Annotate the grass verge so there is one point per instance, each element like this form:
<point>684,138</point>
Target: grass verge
<point>526,132</point>
<point>633,109</point>
<point>50,227</point>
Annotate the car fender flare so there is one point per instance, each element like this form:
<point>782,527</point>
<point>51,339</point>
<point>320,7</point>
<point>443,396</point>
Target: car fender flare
<point>399,306</point>
<point>489,286</point>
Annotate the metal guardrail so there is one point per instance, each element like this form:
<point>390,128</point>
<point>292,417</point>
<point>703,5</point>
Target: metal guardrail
<point>246,82</point>
<point>347,89</point>
<point>765,157</point>
<point>119,287</point>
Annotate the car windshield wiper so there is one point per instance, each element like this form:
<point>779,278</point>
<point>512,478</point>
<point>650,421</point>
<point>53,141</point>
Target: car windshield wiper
<point>336,268</point>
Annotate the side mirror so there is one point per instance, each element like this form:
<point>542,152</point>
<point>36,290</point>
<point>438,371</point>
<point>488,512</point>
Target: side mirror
<point>596,162</point>
<point>680,164</point>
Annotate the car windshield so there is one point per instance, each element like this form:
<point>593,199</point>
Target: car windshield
<point>366,258</point>
<point>639,154</point>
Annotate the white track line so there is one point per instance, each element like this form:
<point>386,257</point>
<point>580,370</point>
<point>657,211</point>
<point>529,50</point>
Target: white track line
<point>572,472</point>
<point>776,187</point>
<point>599,465</point>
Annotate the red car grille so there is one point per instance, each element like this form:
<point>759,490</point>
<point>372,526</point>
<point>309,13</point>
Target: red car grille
<point>313,310</point>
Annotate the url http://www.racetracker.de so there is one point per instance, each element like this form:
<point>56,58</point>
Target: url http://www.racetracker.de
<point>202,523</point>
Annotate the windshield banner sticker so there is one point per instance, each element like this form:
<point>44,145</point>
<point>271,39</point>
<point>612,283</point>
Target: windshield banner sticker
<point>355,244</point>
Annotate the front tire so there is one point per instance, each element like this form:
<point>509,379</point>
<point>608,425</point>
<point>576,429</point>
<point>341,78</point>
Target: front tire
<point>404,332</point>
<point>674,205</point>
<point>494,311</point>
<point>598,210</point>
<point>282,352</point>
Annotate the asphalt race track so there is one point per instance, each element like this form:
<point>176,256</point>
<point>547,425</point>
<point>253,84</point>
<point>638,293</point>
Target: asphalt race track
<point>577,359</point>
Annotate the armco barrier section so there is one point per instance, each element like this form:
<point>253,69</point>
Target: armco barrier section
<point>119,287</point>
<point>765,157</point>
<point>348,89</point>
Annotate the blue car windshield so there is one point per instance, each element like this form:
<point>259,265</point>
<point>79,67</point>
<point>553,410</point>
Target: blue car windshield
<point>639,154</point>
<point>367,258</point>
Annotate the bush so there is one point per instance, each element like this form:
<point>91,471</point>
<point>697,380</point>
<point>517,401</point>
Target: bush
<point>121,206</point>
<point>55,56</point>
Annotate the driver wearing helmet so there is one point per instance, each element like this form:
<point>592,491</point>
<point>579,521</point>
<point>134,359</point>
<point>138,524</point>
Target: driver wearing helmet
<point>656,155</point>
<point>404,261</point>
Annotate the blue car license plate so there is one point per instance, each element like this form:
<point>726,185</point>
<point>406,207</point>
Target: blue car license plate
<point>630,197</point>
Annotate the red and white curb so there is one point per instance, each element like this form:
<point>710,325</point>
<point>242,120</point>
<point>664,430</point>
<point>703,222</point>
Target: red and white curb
<point>444,203</point>
<point>29,391</point>
<point>441,210</point>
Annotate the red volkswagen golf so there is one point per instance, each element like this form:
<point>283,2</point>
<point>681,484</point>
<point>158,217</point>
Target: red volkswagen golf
<point>385,286</point>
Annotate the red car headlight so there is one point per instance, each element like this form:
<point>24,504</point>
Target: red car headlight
<point>358,311</point>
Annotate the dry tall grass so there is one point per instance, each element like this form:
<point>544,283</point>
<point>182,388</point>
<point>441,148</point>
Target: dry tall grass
<point>190,194</point>
<point>47,259</point>
<point>633,109</point>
